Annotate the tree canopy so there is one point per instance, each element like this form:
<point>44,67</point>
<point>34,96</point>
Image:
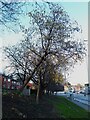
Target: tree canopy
<point>10,12</point>
<point>49,37</point>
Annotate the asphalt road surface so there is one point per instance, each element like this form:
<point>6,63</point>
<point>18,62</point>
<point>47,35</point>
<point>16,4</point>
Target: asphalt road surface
<point>79,99</point>
<point>85,106</point>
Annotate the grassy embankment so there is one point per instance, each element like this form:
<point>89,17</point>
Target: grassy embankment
<point>68,109</point>
<point>48,107</point>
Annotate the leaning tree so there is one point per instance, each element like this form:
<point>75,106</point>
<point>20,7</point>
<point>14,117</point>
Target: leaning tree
<point>50,35</point>
<point>51,31</point>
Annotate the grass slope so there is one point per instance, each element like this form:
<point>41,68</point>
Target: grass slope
<point>68,109</point>
<point>50,106</point>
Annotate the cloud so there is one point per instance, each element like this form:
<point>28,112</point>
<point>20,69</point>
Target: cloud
<point>80,74</point>
<point>11,39</point>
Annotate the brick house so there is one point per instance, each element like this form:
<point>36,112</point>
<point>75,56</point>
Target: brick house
<point>8,83</point>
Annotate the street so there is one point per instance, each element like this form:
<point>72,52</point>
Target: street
<point>79,99</point>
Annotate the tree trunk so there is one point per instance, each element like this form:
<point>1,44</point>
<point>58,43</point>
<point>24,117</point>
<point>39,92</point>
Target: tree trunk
<point>38,91</point>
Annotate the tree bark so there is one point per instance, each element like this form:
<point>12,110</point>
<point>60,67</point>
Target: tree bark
<point>38,91</point>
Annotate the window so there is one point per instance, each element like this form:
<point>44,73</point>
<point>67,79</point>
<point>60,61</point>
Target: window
<point>12,87</point>
<point>18,83</point>
<point>4,79</point>
<point>13,82</point>
<point>8,80</point>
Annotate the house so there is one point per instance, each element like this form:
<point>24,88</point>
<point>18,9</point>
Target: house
<point>77,88</point>
<point>30,85</point>
<point>67,86</point>
<point>7,82</point>
<point>30,88</point>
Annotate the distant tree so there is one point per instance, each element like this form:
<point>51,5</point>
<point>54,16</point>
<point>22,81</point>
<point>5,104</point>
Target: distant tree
<point>46,74</point>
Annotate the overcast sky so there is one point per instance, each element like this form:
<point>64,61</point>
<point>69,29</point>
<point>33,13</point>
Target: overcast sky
<point>77,11</point>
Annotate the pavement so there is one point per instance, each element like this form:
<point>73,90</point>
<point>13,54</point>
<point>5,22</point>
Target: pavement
<point>79,99</point>
<point>79,103</point>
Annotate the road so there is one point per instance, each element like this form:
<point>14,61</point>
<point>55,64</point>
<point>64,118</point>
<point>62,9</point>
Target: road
<point>85,106</point>
<point>79,99</point>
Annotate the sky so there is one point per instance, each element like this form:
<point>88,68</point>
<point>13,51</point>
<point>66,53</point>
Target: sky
<point>77,11</point>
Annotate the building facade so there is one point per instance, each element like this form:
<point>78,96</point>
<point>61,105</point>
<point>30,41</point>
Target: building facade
<point>8,83</point>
